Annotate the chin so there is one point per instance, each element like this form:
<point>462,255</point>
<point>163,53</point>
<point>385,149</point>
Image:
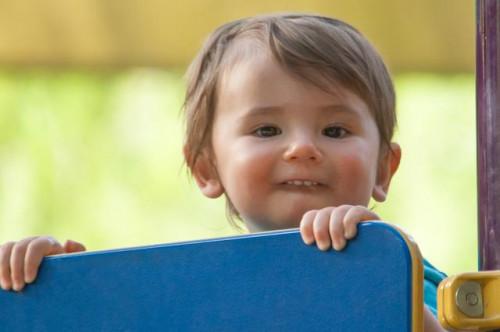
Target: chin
<point>291,220</point>
<point>272,225</point>
<point>298,209</point>
<point>287,217</point>
<point>289,223</point>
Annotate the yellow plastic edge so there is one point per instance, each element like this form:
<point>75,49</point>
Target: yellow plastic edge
<point>417,281</point>
<point>449,315</point>
<point>444,305</point>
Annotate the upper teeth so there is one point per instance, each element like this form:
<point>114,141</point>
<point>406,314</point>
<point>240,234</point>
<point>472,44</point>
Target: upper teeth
<point>302,183</point>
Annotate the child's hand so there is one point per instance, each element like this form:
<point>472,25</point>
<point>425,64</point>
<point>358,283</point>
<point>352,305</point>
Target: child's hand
<point>19,261</point>
<point>332,226</point>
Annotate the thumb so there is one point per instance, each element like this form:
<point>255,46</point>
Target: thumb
<point>73,246</point>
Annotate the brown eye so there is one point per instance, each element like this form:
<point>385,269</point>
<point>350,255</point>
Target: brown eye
<point>335,132</point>
<point>267,131</point>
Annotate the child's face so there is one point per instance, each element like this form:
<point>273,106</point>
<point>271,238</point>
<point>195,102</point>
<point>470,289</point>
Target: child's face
<point>282,146</point>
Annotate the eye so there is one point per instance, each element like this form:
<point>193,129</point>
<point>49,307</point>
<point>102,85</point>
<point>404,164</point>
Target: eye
<point>335,132</point>
<point>267,131</point>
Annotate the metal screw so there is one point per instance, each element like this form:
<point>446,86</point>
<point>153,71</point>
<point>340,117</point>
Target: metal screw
<point>469,299</point>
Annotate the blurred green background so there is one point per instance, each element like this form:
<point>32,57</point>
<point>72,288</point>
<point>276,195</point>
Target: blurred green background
<point>90,142</point>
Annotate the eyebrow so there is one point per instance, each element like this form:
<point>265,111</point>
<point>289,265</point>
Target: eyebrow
<point>263,110</point>
<point>341,108</point>
<point>330,108</point>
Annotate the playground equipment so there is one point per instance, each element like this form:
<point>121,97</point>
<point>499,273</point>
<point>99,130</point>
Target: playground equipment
<point>263,282</point>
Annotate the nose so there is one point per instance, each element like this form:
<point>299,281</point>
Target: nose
<point>303,149</point>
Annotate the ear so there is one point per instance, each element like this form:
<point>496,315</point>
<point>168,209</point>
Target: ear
<point>206,176</point>
<point>388,165</point>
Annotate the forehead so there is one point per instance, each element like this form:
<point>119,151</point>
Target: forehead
<point>256,79</point>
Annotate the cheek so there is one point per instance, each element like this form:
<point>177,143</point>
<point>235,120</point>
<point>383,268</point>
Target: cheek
<point>246,178</point>
<point>359,169</point>
<point>246,169</point>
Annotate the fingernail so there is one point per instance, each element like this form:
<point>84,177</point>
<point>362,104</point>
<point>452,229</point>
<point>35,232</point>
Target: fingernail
<point>339,245</point>
<point>5,285</point>
<point>323,247</point>
<point>18,287</point>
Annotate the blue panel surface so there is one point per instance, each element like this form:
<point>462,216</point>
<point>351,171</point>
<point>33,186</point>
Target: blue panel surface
<point>261,282</point>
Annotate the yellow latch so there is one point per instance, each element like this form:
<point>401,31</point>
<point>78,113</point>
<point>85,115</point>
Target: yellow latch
<point>470,301</point>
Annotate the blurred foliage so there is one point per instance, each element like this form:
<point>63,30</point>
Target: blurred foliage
<point>96,157</point>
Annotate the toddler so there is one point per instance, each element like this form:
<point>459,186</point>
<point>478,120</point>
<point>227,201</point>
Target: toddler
<point>291,118</point>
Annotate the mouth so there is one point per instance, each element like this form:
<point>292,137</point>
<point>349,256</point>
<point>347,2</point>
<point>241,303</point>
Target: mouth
<point>303,183</point>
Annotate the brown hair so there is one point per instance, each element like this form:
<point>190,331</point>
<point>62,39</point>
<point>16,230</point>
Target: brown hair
<point>308,46</point>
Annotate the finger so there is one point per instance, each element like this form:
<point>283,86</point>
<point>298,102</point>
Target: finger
<point>73,246</point>
<point>5,252</point>
<point>336,227</point>
<point>320,229</point>
<point>355,216</point>
<point>17,263</point>
<point>36,250</point>
<point>306,227</point>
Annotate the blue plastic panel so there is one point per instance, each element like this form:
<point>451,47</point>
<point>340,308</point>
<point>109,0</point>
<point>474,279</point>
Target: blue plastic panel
<point>262,282</point>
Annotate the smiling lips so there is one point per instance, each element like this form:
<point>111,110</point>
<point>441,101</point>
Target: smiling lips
<point>303,183</point>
